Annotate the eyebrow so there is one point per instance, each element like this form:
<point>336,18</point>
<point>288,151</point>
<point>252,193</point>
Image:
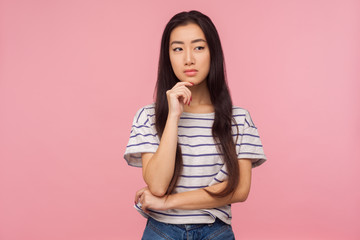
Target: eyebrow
<point>193,41</point>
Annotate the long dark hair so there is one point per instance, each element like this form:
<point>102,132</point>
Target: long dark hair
<point>219,95</point>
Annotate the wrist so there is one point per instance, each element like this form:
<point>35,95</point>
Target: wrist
<point>173,117</point>
<point>169,202</point>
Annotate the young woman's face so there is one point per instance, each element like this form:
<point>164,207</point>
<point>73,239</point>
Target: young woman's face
<point>189,53</point>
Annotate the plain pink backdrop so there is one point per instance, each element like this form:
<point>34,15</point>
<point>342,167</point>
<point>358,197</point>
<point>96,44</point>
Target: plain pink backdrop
<point>73,74</point>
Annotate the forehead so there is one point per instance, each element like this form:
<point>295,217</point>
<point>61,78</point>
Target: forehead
<point>187,33</point>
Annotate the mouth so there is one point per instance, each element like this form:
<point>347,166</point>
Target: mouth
<point>191,72</point>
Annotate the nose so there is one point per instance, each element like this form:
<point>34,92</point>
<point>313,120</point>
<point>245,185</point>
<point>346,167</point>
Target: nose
<point>189,58</point>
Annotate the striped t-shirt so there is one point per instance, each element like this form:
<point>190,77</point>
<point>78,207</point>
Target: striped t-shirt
<point>202,164</point>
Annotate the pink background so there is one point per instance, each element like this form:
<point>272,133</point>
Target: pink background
<point>73,74</point>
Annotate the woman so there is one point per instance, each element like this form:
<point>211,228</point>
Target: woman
<point>195,148</point>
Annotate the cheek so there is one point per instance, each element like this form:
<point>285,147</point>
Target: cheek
<point>206,62</point>
<point>206,66</point>
<point>205,58</point>
<point>175,64</point>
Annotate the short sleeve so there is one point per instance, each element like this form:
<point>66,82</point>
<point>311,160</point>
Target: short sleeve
<point>143,137</point>
<point>248,143</point>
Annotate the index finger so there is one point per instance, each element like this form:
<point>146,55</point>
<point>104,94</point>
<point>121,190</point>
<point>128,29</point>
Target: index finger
<point>189,84</point>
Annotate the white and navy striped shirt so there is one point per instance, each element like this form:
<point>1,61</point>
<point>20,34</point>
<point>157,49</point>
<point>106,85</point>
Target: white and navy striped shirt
<point>202,164</point>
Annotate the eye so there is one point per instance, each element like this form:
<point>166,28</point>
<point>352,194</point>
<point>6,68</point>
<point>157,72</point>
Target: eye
<point>178,49</point>
<point>199,48</point>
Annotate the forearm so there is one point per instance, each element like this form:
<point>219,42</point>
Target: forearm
<point>159,169</point>
<point>186,200</point>
<point>199,199</point>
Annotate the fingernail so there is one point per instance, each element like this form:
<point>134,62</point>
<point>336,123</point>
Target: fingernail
<point>191,98</point>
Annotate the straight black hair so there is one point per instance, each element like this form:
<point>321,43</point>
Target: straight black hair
<point>219,95</point>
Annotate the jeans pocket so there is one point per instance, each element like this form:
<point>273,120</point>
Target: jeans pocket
<point>223,233</point>
<point>156,231</point>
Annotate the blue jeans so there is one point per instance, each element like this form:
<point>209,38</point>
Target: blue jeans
<point>218,230</point>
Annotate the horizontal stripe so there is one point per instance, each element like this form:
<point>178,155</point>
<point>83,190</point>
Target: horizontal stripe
<point>250,135</point>
<point>182,215</point>
<point>180,186</point>
<point>143,143</point>
<point>198,176</point>
<point>201,155</point>
<point>210,144</point>
<point>192,136</point>
<point>144,135</point>
<point>198,145</point>
<point>194,127</point>
<point>204,165</point>
<point>140,126</point>
<point>194,118</point>
<point>250,144</point>
<point>207,127</point>
<point>252,153</point>
<point>211,119</point>
<point>190,155</point>
<point>211,214</point>
<point>234,135</point>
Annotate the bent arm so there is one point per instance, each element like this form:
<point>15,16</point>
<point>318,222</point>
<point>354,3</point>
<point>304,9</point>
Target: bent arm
<point>200,199</point>
<point>158,167</point>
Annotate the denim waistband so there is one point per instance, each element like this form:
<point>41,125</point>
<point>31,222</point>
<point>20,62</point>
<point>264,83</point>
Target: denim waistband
<point>189,227</point>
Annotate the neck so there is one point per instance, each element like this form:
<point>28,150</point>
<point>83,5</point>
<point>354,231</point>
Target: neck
<point>201,102</point>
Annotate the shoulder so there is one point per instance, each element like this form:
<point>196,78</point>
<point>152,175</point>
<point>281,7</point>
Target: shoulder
<point>150,108</point>
<point>239,111</point>
<point>144,113</point>
<point>242,115</point>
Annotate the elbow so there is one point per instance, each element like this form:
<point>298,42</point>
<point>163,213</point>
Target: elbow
<point>158,191</point>
<point>240,197</point>
<point>157,188</point>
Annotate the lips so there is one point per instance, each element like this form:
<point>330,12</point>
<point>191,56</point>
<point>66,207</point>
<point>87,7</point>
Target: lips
<point>190,72</point>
